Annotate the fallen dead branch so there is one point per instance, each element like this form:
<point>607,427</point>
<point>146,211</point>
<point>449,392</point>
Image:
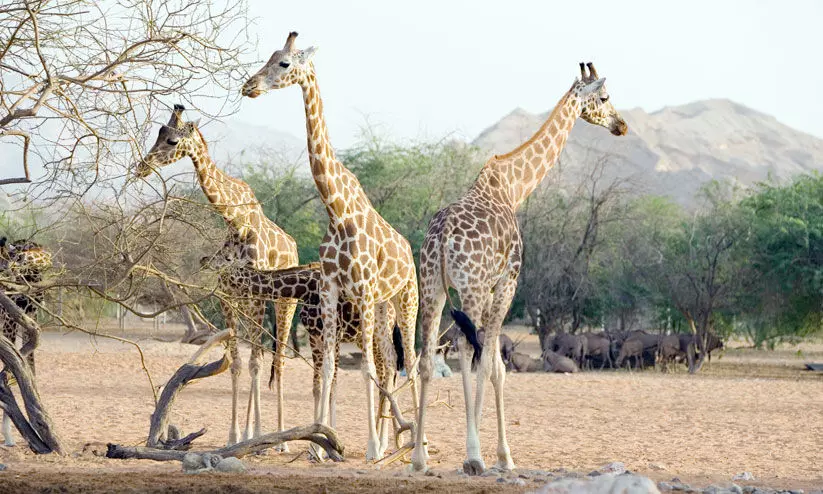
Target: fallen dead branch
<point>188,372</point>
<point>323,436</point>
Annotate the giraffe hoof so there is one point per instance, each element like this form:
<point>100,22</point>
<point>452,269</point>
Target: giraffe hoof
<point>317,454</point>
<point>9,443</point>
<point>473,467</point>
<point>282,448</point>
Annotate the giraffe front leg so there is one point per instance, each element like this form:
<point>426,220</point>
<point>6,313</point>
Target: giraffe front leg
<point>253,316</point>
<point>366,308</point>
<point>385,362</point>
<point>285,313</point>
<point>8,436</point>
<point>236,369</point>
<point>329,294</point>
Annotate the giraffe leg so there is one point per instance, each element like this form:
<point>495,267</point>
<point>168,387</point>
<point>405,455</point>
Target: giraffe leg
<point>285,313</point>
<point>365,306</point>
<point>236,369</point>
<point>385,360</point>
<point>493,362</point>
<point>473,465</point>
<point>431,309</point>
<point>329,295</point>
<point>255,314</point>
<point>315,342</point>
<point>406,304</point>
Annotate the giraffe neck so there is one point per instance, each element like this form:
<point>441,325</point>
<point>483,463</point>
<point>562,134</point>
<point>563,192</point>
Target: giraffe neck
<point>527,165</point>
<point>339,189</point>
<point>230,197</point>
<point>299,283</point>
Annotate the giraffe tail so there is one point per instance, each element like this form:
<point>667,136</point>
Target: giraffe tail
<point>397,342</point>
<point>469,329</point>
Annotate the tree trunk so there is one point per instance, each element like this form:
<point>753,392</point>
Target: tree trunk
<point>191,327</point>
<point>37,429</point>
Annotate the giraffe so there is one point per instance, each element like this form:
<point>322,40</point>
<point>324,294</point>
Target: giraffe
<point>247,224</point>
<point>474,246</point>
<point>21,262</point>
<point>363,259</point>
<point>302,283</point>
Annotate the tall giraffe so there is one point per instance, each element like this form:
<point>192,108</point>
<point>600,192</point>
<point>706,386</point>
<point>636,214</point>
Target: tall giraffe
<point>303,283</point>
<point>247,224</point>
<point>474,246</point>
<point>363,259</point>
<point>22,262</point>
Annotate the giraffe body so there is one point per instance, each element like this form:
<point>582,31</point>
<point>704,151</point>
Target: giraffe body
<point>23,263</point>
<point>363,259</point>
<point>474,246</point>
<point>248,227</point>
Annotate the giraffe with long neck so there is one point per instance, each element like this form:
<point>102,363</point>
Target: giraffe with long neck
<point>303,283</point>
<point>248,225</point>
<point>363,259</point>
<point>474,246</point>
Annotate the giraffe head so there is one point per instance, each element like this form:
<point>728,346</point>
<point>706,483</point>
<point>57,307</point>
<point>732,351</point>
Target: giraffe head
<point>231,255</point>
<point>595,105</point>
<point>175,140</point>
<point>24,257</point>
<point>286,66</point>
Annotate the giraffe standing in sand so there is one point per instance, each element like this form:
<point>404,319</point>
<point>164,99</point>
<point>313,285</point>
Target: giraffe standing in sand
<point>474,246</point>
<point>22,262</point>
<point>248,225</point>
<point>303,283</point>
<point>363,259</point>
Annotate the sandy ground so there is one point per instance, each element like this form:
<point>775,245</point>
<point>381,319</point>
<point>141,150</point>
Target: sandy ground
<point>749,411</point>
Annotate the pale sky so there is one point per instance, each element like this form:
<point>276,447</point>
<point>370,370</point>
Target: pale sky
<point>427,68</point>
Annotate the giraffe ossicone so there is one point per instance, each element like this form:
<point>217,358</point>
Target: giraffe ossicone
<point>474,246</point>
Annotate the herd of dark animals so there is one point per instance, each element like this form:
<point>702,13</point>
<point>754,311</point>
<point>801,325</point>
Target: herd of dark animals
<point>566,352</point>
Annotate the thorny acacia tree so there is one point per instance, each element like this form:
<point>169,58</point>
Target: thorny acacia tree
<point>81,83</point>
<point>82,80</point>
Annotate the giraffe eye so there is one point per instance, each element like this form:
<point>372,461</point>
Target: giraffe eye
<point>604,99</point>
<point>285,65</point>
<point>171,142</point>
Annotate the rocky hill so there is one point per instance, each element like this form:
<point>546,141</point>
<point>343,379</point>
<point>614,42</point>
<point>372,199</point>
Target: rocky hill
<point>675,150</point>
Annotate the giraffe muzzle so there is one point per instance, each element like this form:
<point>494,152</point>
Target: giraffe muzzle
<point>619,128</point>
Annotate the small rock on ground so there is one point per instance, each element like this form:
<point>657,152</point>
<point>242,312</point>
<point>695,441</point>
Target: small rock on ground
<point>615,467</point>
<point>743,476</point>
<point>604,484</point>
<point>230,465</point>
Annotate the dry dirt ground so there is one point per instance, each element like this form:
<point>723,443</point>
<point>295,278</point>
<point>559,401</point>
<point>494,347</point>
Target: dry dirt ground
<point>748,411</point>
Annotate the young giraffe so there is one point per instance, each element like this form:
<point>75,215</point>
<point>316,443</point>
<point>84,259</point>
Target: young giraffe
<point>474,246</point>
<point>247,224</point>
<point>302,283</point>
<point>21,262</point>
<point>363,259</point>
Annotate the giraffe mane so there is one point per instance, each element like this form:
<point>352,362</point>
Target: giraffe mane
<point>539,132</point>
<point>202,139</point>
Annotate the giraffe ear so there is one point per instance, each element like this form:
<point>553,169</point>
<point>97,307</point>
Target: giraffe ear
<point>303,56</point>
<point>593,87</point>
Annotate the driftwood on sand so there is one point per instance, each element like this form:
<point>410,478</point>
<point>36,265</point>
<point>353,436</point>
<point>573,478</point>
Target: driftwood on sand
<point>323,436</point>
<point>159,427</point>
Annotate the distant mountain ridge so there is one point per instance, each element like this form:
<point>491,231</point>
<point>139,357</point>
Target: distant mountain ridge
<point>675,150</point>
